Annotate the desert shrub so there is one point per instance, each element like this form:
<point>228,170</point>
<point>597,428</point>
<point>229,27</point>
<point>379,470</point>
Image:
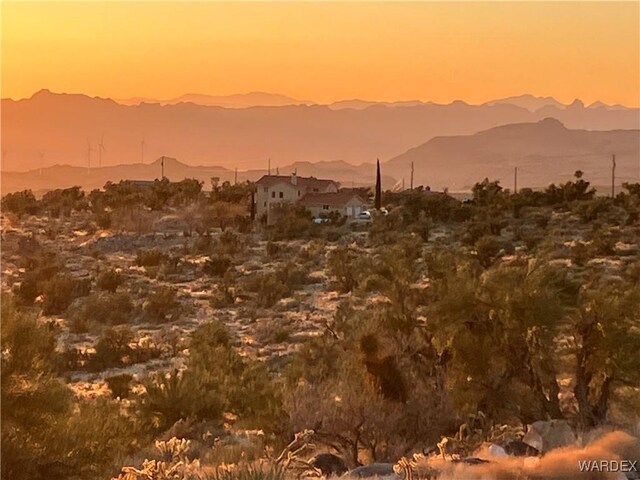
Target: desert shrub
<point>223,294</point>
<point>150,258</point>
<point>231,243</point>
<point>109,280</point>
<point>386,229</point>
<point>112,349</point>
<point>119,385</point>
<point>28,289</point>
<point>268,287</point>
<point>288,222</point>
<point>60,291</point>
<point>20,203</point>
<point>272,286</point>
<point>593,209</point>
<point>103,219</point>
<point>102,308</point>
<point>216,266</point>
<point>203,245</point>
<point>332,234</point>
<point>251,472</point>
<point>343,266</point>
<point>273,248</point>
<point>480,227</point>
<point>45,432</point>
<point>39,270</point>
<point>487,248</point>
<point>273,330</point>
<point>217,379</point>
<point>64,201</point>
<point>163,305</point>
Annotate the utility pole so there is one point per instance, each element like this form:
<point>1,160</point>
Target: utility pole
<point>403,184</point>
<point>411,182</point>
<point>515,180</point>
<point>269,167</point>
<point>235,180</point>
<point>378,195</point>
<point>613,176</point>
<point>162,167</point>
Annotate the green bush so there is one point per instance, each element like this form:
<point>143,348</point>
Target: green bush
<point>103,220</point>
<point>217,266</point>
<point>60,291</point>
<point>20,203</point>
<point>119,385</point>
<point>109,280</point>
<point>101,308</point>
<point>112,349</point>
<point>272,286</point>
<point>487,248</point>
<point>343,266</point>
<point>150,258</point>
<point>163,305</point>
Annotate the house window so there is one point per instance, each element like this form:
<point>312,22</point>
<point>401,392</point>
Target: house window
<point>298,192</point>
<point>266,189</point>
<point>265,204</point>
<point>325,207</point>
<point>316,190</point>
<point>281,195</point>
<point>273,194</point>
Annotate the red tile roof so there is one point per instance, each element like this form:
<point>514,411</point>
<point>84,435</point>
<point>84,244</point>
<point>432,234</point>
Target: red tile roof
<point>338,199</point>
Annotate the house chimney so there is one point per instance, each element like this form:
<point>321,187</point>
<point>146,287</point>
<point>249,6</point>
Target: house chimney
<point>294,179</point>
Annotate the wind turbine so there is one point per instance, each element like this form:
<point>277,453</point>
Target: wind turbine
<point>100,150</point>
<point>89,150</point>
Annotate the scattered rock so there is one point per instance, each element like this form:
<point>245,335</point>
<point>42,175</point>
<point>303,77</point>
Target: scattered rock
<point>547,435</point>
<point>373,470</point>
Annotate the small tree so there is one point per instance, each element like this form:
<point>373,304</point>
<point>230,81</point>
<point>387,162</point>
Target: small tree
<point>606,349</point>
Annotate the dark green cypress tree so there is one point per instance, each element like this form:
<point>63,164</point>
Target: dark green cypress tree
<point>378,198</point>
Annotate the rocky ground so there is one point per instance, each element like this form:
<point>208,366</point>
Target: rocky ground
<point>269,334</point>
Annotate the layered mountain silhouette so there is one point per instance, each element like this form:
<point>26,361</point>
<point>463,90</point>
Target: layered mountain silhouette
<point>543,152</point>
<point>66,129</point>
<point>238,100</point>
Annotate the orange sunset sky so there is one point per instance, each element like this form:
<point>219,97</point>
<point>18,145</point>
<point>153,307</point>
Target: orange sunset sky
<point>325,51</point>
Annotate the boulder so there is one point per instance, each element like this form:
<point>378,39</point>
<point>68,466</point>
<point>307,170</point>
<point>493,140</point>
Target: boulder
<point>373,470</point>
<point>547,435</point>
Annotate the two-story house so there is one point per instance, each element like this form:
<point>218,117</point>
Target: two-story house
<point>277,189</point>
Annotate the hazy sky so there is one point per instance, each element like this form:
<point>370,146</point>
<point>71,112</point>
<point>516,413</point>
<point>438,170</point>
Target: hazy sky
<point>325,51</point>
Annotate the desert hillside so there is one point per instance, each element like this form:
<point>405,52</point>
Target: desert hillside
<point>544,151</point>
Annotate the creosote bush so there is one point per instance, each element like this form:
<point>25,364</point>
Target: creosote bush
<point>163,305</point>
<point>109,280</point>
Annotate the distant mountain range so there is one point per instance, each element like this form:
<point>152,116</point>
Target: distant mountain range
<point>239,100</point>
<point>265,99</point>
<point>66,129</point>
<point>544,152</point>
